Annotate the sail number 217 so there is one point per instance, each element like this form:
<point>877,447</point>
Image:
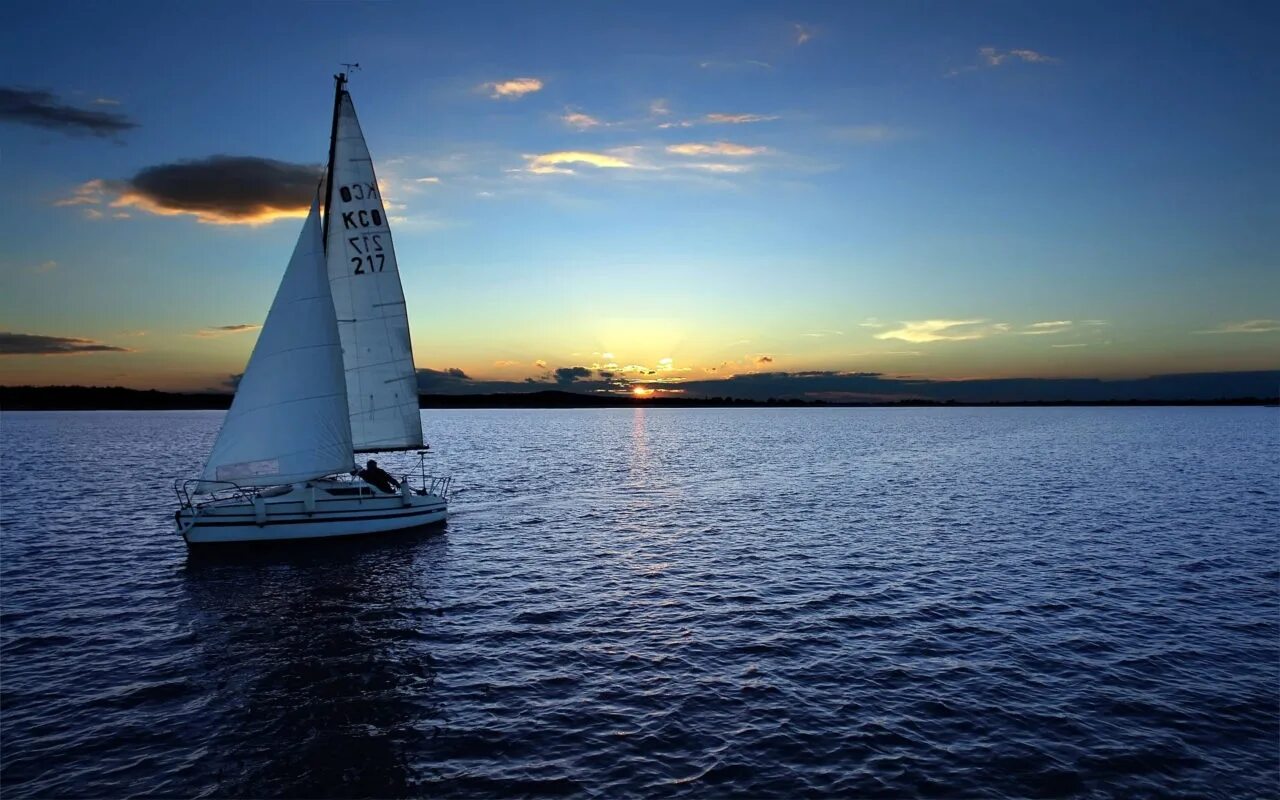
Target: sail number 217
<point>371,258</point>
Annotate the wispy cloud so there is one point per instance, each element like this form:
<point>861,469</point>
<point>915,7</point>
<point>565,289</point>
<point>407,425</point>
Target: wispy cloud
<point>219,190</point>
<point>704,163</point>
<point>224,330</point>
<point>27,344</point>
<point>803,33</point>
<point>579,120</point>
<point>868,134</point>
<point>1042,328</point>
<point>88,193</point>
<point>738,119</point>
<point>944,330</point>
<point>428,179</point>
<point>43,110</point>
<point>659,114</point>
<point>1247,326</point>
<point>106,101</point>
<point>720,119</point>
<point>994,58</point>
<point>550,163</point>
<point>990,57</point>
<point>711,166</point>
<point>512,88</point>
<point>715,149</point>
<point>823,334</point>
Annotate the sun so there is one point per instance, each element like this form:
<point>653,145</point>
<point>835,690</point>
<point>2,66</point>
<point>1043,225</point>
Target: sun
<point>641,391</point>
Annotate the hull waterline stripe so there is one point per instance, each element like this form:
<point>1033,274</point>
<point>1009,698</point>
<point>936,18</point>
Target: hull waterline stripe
<point>311,520</point>
<point>321,515</point>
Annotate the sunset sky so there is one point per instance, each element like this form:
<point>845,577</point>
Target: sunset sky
<point>668,192</point>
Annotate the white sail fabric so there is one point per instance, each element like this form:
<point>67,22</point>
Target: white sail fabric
<point>382,388</point>
<point>288,421</point>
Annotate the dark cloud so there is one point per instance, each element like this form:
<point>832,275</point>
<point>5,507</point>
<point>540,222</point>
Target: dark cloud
<point>567,375</point>
<point>455,381</point>
<point>26,344</point>
<point>226,189</point>
<point>875,387</point>
<point>42,109</point>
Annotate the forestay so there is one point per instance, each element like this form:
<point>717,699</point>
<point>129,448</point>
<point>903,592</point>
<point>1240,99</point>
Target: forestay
<point>288,421</point>
<point>373,323</point>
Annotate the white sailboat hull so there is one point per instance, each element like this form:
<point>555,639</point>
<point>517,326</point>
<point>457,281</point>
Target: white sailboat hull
<point>321,510</point>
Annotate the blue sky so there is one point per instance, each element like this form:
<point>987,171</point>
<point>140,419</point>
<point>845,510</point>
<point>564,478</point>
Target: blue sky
<point>694,190</point>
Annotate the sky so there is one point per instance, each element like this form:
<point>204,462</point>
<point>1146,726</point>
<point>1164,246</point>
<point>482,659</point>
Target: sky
<point>674,196</point>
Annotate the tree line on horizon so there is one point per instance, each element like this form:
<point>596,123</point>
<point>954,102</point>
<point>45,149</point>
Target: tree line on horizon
<point>108,398</point>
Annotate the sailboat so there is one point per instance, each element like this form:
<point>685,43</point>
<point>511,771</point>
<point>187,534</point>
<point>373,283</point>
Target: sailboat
<point>331,376</point>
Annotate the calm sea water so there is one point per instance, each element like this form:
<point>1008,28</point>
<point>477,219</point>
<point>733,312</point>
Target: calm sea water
<point>771,602</point>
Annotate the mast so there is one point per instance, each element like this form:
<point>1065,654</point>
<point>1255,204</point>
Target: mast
<point>340,81</point>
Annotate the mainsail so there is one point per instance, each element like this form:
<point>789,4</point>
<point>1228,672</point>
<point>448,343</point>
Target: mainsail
<point>382,388</point>
<point>288,421</point>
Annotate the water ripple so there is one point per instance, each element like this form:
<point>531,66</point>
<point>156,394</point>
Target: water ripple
<point>695,603</point>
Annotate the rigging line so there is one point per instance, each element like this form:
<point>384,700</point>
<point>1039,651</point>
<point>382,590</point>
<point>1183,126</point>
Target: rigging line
<point>379,364</point>
<point>240,412</point>
<point>299,349</point>
<point>374,410</point>
<point>377,319</point>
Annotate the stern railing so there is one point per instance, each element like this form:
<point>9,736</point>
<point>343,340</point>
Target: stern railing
<point>431,484</point>
<point>227,490</point>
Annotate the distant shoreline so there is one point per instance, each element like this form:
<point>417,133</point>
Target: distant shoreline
<point>93,398</point>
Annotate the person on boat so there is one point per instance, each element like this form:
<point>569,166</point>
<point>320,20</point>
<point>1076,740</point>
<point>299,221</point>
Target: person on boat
<point>376,476</point>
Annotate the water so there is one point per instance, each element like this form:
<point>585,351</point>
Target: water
<point>763,602</point>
